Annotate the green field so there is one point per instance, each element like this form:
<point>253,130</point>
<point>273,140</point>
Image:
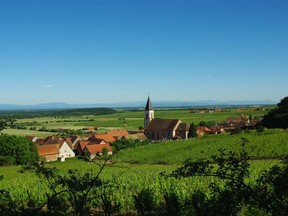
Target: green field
<point>130,120</point>
<point>134,170</point>
<point>266,145</point>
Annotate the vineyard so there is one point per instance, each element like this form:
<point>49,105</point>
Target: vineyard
<point>131,183</point>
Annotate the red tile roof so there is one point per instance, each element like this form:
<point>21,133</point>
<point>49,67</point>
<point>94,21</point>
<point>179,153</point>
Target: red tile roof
<point>108,138</point>
<point>98,148</point>
<point>48,149</point>
<point>119,133</point>
<point>83,144</point>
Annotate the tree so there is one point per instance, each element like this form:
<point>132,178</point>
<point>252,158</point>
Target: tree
<point>19,150</point>
<point>283,102</point>
<point>277,117</point>
<point>192,131</point>
<point>3,125</point>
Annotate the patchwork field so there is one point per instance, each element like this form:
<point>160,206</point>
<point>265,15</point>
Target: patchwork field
<point>130,120</point>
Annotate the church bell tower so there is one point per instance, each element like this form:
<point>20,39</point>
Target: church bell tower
<point>149,113</point>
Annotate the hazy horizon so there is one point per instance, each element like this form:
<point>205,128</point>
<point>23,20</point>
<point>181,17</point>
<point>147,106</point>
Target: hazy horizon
<point>136,104</point>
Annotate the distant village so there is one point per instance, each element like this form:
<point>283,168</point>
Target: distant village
<point>55,148</point>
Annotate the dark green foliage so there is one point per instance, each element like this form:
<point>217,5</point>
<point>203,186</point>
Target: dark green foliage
<point>85,111</point>
<point>3,125</point>
<point>260,129</point>
<point>238,130</point>
<point>6,123</point>
<point>277,117</point>
<point>56,113</point>
<point>173,204</point>
<point>109,205</point>
<point>192,131</point>
<point>19,149</point>
<point>6,161</point>
<point>207,124</point>
<point>283,102</point>
<point>268,195</point>
<point>272,189</point>
<point>144,201</point>
<point>7,206</point>
<point>121,144</point>
<point>70,194</point>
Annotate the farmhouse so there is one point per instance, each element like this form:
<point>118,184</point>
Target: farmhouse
<point>91,151</point>
<point>55,148</point>
<point>80,146</point>
<point>161,129</point>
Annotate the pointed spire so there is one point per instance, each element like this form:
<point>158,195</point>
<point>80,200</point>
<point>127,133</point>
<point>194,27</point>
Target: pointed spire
<point>149,104</point>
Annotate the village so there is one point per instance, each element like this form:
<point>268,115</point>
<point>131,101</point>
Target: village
<point>53,148</point>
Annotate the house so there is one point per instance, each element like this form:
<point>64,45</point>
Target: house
<point>49,152</point>
<point>91,151</point>
<point>161,129</point>
<point>82,144</point>
<point>74,140</point>
<point>201,131</point>
<point>108,138</point>
<point>64,150</point>
<point>40,141</point>
<point>119,134</point>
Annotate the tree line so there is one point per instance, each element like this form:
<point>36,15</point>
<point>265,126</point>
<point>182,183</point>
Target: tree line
<point>9,115</point>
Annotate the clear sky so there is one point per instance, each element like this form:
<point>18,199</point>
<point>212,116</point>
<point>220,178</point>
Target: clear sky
<point>107,51</point>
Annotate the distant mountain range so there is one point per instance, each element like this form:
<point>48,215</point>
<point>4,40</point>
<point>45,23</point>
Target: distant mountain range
<point>140,104</point>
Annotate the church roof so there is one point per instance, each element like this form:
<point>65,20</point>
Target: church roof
<point>162,125</point>
<point>148,104</point>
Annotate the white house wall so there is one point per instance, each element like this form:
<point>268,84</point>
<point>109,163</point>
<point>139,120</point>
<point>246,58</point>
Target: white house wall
<point>66,151</point>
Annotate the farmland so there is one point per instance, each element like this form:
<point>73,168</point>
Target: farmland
<point>131,120</point>
<point>132,171</point>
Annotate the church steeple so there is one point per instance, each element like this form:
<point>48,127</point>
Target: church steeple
<point>148,105</point>
<point>149,112</point>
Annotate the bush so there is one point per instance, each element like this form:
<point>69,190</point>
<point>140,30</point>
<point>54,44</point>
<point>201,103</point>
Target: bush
<point>5,161</point>
<point>19,150</point>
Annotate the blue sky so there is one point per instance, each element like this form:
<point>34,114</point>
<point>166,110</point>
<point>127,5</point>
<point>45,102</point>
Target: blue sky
<point>106,51</point>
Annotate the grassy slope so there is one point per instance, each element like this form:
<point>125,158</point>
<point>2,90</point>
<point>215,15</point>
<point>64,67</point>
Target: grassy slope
<point>266,145</point>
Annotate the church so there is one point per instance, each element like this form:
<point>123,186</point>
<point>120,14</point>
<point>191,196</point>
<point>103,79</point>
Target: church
<point>163,129</point>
